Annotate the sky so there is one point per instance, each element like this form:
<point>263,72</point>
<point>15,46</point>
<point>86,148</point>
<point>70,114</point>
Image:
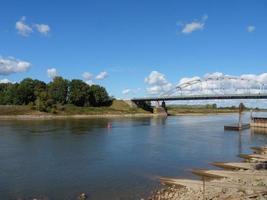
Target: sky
<point>134,48</point>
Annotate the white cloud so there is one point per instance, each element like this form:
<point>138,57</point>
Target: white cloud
<point>25,30</point>
<point>52,73</point>
<point>130,91</point>
<point>89,82</point>
<point>219,83</point>
<point>11,65</point>
<point>251,29</point>
<point>87,76</point>
<point>22,28</point>
<point>157,83</point>
<point>101,75</point>
<point>5,81</point>
<point>156,78</point>
<point>42,28</point>
<point>126,91</point>
<point>194,25</point>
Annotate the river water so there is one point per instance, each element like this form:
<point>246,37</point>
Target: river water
<point>59,159</point>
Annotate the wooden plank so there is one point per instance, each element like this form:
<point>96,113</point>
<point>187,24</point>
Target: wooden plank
<point>196,184</point>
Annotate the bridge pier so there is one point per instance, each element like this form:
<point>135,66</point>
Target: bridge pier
<point>160,109</point>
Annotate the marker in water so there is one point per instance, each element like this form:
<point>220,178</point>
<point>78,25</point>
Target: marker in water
<point>109,125</point>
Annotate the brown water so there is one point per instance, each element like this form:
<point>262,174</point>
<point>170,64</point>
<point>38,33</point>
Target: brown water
<point>59,159</point>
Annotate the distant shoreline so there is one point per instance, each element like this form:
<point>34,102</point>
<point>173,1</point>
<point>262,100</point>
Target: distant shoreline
<point>50,117</point>
<point>96,116</point>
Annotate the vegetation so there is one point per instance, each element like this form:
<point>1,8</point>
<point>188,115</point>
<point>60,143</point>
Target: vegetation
<point>117,107</point>
<point>203,109</point>
<point>54,96</point>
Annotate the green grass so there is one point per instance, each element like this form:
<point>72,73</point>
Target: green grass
<point>16,110</point>
<point>195,109</point>
<point>117,107</point>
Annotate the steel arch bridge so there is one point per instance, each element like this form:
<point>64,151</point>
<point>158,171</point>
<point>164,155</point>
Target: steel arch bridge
<point>211,88</point>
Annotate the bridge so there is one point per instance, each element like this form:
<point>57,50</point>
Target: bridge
<point>202,97</point>
<point>212,88</point>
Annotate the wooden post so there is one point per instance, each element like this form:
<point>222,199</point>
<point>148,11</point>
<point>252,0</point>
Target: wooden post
<point>203,178</point>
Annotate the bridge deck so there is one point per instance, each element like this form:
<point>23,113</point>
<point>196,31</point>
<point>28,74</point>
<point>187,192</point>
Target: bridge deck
<point>203,97</point>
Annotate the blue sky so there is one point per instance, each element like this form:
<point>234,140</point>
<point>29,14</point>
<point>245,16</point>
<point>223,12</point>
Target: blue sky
<point>129,39</point>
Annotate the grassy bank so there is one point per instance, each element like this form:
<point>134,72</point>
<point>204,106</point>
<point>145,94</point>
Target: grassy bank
<point>118,107</point>
<point>205,109</point>
<point>176,111</point>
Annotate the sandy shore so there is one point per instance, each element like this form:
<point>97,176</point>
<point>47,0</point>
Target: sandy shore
<point>221,184</point>
<point>173,192</point>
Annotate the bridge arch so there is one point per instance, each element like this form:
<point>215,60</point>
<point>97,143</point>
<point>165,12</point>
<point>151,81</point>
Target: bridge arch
<point>217,85</point>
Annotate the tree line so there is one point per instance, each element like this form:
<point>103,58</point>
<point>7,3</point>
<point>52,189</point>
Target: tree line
<point>60,91</point>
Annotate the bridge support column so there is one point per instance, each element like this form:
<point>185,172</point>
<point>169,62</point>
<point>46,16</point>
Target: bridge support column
<point>160,110</point>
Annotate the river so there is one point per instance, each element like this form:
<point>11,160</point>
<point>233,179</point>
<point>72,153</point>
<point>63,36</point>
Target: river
<point>59,159</point>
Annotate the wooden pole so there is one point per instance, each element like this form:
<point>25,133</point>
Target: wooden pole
<point>203,178</point>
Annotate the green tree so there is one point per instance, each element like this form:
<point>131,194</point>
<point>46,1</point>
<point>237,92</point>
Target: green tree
<point>98,96</point>
<point>58,90</point>
<point>39,87</point>
<point>3,89</point>
<point>25,91</point>
<point>11,94</point>
<point>78,92</point>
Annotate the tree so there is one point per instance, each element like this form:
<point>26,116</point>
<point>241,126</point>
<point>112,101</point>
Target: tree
<point>78,93</point>
<point>25,91</point>
<point>11,94</point>
<point>58,90</point>
<point>3,89</point>
<point>39,87</point>
<point>98,96</point>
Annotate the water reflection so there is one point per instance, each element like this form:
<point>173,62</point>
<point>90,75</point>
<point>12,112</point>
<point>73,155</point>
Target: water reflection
<point>258,130</point>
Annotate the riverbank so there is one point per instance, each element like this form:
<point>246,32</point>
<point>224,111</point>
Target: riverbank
<point>240,181</point>
<point>51,116</point>
<point>118,109</point>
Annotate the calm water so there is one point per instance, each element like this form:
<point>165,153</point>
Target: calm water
<point>60,159</point>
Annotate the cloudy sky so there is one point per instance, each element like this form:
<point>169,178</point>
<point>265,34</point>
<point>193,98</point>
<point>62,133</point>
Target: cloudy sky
<point>132,47</point>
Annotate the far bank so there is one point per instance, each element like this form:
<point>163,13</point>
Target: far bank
<point>118,108</point>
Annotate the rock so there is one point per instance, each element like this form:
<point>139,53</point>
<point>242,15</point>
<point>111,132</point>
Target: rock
<point>249,192</point>
<point>82,196</point>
